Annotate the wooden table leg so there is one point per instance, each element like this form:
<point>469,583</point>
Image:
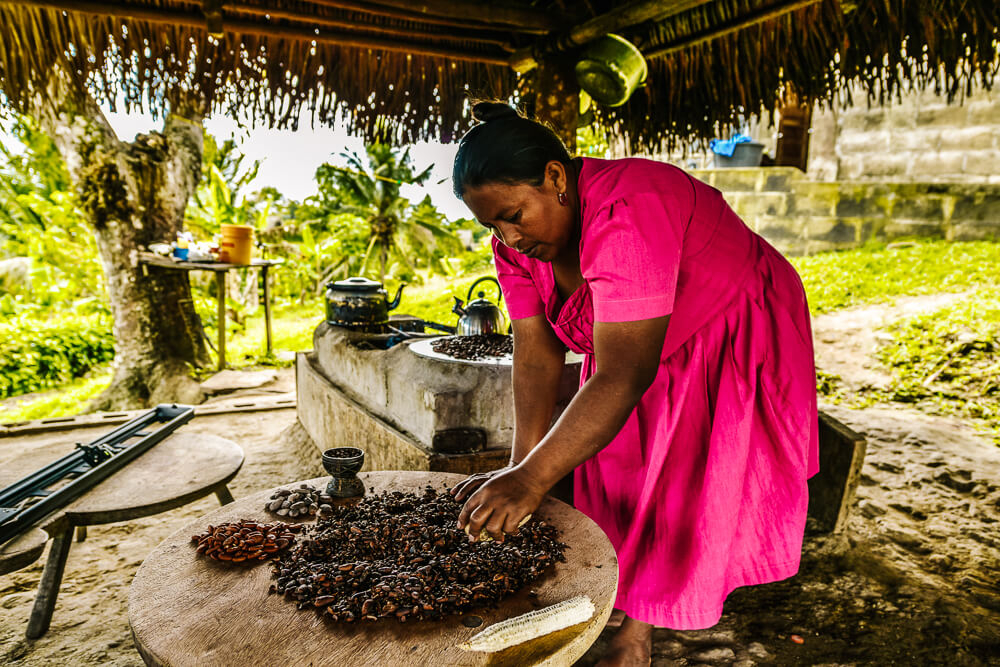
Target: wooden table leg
<point>223,494</point>
<point>220,286</point>
<point>267,308</point>
<point>48,588</point>
<point>81,533</point>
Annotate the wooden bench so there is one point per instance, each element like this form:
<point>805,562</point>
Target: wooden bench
<point>831,490</point>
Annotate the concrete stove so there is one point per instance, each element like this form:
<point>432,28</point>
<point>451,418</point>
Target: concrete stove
<point>408,411</point>
<point>411,411</point>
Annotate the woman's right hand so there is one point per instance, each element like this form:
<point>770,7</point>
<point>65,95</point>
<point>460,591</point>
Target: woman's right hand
<point>468,486</point>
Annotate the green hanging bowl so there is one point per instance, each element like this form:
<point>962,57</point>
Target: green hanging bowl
<point>610,70</point>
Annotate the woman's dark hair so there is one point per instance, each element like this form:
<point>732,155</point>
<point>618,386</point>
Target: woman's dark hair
<point>505,147</point>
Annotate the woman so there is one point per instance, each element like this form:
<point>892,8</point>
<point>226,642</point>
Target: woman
<point>695,426</point>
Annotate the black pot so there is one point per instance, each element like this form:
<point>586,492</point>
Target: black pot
<point>359,303</point>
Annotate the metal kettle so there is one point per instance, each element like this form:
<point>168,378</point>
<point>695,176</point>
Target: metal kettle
<point>480,316</point>
<point>359,302</point>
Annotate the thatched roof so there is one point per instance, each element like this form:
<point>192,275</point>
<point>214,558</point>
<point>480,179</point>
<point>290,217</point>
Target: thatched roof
<point>414,62</point>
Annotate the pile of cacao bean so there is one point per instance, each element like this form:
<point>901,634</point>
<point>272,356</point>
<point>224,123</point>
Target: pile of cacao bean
<point>473,348</point>
<point>305,501</point>
<point>400,555</point>
<point>245,540</point>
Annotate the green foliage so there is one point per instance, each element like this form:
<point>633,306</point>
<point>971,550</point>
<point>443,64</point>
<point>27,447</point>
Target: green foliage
<point>41,220</point>
<point>68,399</point>
<point>476,260</point>
<point>435,300</point>
<point>292,330</point>
<point>218,200</point>
<point>54,326</point>
<point>878,272</point>
<point>402,238</point>
<point>36,354</point>
<point>39,167</point>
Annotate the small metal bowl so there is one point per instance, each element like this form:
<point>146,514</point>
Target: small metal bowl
<point>343,464</point>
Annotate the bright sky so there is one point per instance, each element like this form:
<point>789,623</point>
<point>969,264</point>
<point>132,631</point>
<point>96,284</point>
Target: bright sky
<point>289,159</point>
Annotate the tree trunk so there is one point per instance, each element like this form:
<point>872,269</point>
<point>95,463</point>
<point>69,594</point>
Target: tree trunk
<point>135,194</point>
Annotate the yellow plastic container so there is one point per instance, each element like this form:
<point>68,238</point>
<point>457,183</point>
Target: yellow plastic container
<point>236,244</point>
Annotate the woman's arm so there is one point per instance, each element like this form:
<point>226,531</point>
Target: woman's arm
<point>539,358</point>
<point>538,365</point>
<point>628,357</point>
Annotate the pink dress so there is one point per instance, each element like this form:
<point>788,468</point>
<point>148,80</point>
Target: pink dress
<point>704,489</point>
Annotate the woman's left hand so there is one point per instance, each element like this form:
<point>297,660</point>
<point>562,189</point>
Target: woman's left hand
<point>500,504</point>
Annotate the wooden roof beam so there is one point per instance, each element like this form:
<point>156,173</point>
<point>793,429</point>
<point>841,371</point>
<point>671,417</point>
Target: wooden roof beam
<point>483,12</point>
<point>480,36</point>
<point>629,15</point>
<point>338,38</point>
<point>745,21</point>
<point>456,14</point>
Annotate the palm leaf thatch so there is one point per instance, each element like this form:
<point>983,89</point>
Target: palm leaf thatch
<point>397,71</point>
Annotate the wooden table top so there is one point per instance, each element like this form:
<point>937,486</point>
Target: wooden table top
<point>172,473</point>
<point>23,550</point>
<point>179,470</point>
<point>153,259</point>
<point>188,610</point>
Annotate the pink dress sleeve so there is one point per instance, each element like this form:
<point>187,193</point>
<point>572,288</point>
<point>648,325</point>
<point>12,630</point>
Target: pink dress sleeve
<point>519,290</point>
<point>631,256</point>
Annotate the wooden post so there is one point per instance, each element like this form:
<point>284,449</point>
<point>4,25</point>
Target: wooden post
<point>224,495</point>
<point>792,149</point>
<point>557,98</point>
<point>48,588</point>
<point>220,286</point>
<point>267,307</point>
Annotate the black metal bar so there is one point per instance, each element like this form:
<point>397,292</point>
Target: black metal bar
<point>35,485</point>
<point>439,327</point>
<point>40,478</point>
<point>59,468</point>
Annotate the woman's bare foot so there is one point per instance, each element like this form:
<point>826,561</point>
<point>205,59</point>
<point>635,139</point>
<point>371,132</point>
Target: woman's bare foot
<point>632,645</point>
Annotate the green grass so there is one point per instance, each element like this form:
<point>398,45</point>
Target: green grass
<point>943,362</point>
<point>292,326</point>
<point>949,360</point>
<point>291,330</point>
<point>833,281</point>
<point>69,399</point>
<point>877,273</point>
<point>434,300</point>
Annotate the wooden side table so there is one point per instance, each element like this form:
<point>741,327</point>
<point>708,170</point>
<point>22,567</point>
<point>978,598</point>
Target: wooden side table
<point>221,269</point>
<point>186,609</point>
<point>22,551</point>
<point>179,470</point>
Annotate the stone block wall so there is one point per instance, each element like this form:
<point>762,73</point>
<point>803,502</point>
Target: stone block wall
<point>799,215</point>
<point>918,138</point>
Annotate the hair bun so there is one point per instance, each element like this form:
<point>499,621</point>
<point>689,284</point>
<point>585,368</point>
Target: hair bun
<point>484,112</point>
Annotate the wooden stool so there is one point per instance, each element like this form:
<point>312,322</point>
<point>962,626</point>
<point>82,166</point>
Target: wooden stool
<point>186,609</point>
<point>177,471</point>
<point>23,551</point>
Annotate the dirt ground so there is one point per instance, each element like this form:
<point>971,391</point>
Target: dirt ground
<point>912,581</point>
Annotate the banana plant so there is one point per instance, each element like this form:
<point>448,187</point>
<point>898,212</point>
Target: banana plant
<point>40,220</point>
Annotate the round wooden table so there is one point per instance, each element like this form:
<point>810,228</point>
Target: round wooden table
<point>22,551</point>
<point>179,470</point>
<point>185,609</point>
